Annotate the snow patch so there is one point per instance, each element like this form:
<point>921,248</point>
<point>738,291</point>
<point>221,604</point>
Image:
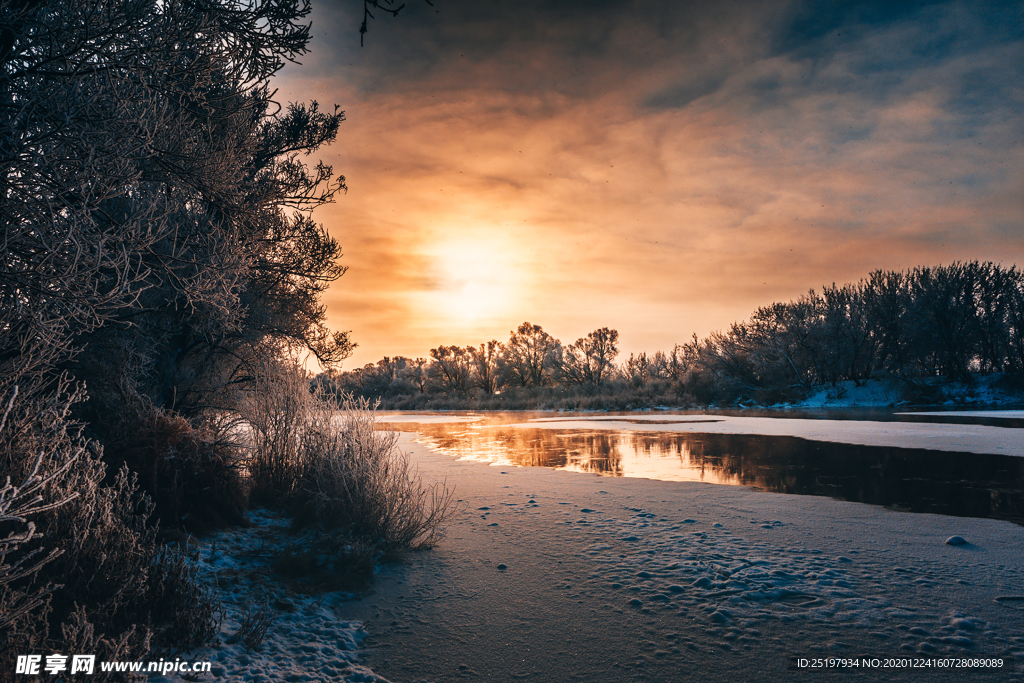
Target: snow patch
<point>309,639</point>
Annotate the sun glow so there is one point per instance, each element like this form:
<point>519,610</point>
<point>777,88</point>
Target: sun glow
<point>475,280</point>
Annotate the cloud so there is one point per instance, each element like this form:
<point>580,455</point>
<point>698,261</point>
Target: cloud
<point>662,168</point>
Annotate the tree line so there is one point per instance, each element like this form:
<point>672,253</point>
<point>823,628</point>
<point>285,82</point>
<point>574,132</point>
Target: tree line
<point>530,359</point>
<point>918,327</point>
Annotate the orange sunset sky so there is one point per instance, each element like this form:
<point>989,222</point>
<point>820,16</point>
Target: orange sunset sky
<point>661,168</point>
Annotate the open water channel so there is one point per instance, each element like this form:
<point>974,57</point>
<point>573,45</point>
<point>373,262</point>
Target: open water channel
<point>909,479</point>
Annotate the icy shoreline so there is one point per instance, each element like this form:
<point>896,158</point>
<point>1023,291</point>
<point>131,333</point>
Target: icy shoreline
<point>553,575</point>
<point>985,390</point>
<point>559,576</point>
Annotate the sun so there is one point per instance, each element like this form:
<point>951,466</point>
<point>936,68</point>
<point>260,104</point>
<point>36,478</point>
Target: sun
<point>475,279</point>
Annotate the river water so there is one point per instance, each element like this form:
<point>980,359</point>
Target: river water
<point>909,479</point>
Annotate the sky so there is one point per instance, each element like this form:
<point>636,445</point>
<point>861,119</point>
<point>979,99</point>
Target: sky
<point>659,168</point>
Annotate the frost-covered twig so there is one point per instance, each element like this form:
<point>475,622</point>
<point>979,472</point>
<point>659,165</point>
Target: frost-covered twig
<point>254,626</point>
<point>17,504</point>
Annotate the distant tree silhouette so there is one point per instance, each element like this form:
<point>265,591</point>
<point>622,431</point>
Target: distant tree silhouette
<point>887,302</point>
<point>452,368</point>
<point>590,359</point>
<point>639,369</point>
<point>944,301</point>
<point>486,365</point>
<point>415,373</point>
<point>920,327</point>
<point>527,357</point>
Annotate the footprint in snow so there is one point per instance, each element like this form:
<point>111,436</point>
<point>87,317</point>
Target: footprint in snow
<point>1012,601</point>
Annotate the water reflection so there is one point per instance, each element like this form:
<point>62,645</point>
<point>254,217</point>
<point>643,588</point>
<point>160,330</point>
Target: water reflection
<point>915,480</point>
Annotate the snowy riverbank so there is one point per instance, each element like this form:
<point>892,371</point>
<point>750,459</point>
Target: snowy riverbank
<point>558,576</point>
<point>984,390</point>
<point>309,638</point>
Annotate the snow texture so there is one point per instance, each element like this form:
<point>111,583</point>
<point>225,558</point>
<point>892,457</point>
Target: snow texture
<point>557,576</point>
<point>983,390</point>
<point>309,639</point>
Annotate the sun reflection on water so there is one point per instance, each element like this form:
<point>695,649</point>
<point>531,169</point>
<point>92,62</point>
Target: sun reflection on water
<point>915,480</point>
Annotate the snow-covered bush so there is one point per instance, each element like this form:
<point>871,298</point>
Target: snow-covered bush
<point>274,411</point>
<point>355,478</point>
<point>80,569</point>
<point>328,463</point>
<point>192,474</point>
<point>20,597</point>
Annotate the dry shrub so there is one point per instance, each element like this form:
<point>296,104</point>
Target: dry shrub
<point>344,481</point>
<point>133,588</point>
<point>184,612</point>
<point>354,478</point>
<point>275,411</point>
<point>328,562</point>
<point>254,626</point>
<point>920,392</point>
<point>21,598</point>
<point>41,455</point>
<point>105,583</point>
<point>79,636</point>
<point>192,474</point>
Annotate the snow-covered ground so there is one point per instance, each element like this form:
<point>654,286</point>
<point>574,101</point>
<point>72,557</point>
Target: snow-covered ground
<point>310,637</point>
<point>847,394</point>
<point>983,390</point>
<point>557,576</point>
